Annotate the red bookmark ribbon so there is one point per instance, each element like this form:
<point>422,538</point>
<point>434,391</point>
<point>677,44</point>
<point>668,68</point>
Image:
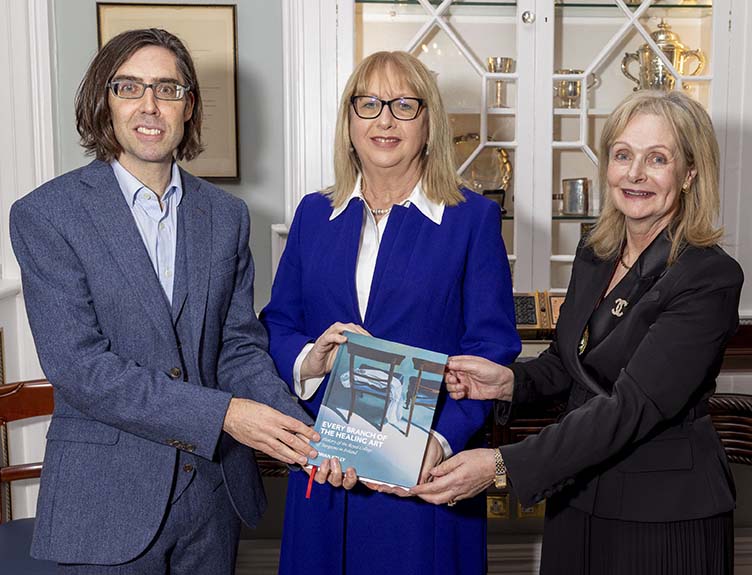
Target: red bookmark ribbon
<point>310,482</point>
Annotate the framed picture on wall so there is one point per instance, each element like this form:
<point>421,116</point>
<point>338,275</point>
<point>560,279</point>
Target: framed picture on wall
<point>527,311</point>
<point>554,305</point>
<point>209,33</point>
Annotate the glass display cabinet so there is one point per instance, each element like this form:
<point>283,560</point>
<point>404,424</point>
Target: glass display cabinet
<point>528,86</point>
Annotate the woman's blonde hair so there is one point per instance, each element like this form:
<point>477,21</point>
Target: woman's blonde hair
<point>439,177</point>
<point>694,221</point>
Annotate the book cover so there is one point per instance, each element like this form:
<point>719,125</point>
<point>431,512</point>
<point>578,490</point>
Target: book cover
<point>378,408</point>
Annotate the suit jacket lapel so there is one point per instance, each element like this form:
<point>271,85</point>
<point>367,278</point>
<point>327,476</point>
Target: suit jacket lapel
<point>597,274</point>
<point>402,231</point>
<point>195,221</point>
<point>593,277</point>
<point>114,221</point>
<point>592,281</point>
<point>636,283</point>
<point>180,287</point>
<point>348,248</point>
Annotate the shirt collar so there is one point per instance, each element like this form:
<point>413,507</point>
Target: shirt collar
<point>130,185</point>
<point>430,209</point>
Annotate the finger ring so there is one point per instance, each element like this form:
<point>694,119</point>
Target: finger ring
<point>451,503</point>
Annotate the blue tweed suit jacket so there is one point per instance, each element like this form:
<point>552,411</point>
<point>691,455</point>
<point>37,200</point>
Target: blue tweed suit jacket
<point>105,337</point>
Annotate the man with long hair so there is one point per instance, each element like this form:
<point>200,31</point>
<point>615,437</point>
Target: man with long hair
<point>138,282</point>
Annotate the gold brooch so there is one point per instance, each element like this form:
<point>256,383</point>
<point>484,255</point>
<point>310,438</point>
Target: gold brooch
<point>619,305</point>
<point>583,342</point>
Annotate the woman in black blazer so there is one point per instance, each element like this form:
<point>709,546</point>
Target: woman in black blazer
<point>635,476</point>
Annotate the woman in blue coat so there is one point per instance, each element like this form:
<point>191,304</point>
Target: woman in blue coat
<point>399,249</point>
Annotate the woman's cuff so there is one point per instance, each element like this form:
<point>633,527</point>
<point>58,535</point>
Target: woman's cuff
<point>446,448</point>
<point>304,389</point>
<point>503,409</point>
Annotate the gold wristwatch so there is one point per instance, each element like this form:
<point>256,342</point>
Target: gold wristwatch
<point>500,478</point>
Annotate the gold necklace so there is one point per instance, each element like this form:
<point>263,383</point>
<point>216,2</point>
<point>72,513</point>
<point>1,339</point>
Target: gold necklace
<point>377,212</point>
<point>380,211</point>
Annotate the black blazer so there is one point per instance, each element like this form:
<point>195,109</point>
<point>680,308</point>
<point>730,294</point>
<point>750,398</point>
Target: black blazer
<point>636,442</point>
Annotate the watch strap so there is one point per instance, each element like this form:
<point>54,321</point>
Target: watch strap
<point>500,476</point>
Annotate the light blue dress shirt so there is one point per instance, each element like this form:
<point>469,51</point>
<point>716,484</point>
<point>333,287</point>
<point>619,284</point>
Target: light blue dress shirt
<point>157,224</point>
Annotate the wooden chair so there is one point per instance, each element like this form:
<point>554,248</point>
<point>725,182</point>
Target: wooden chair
<point>19,401</point>
<point>377,388</point>
<point>424,391</point>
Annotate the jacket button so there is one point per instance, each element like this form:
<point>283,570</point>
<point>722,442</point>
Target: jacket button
<point>175,372</point>
<point>187,467</point>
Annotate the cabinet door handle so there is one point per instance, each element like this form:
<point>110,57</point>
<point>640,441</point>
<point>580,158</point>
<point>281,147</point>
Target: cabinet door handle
<point>528,17</point>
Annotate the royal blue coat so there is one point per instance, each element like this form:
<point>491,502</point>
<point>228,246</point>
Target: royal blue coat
<point>442,287</point>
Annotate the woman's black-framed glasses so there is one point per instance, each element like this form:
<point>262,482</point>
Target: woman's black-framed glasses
<point>370,107</point>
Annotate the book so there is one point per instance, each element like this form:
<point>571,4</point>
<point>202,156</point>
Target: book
<point>378,408</point>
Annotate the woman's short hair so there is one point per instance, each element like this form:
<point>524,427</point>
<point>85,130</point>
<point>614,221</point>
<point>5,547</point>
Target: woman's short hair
<point>439,178</point>
<point>697,147</point>
<point>93,117</point>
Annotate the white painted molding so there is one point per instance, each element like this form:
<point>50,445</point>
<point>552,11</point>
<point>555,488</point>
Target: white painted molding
<point>316,60</point>
<point>294,114</point>
<point>15,148</point>
<point>41,42</point>
<point>279,237</point>
<point>27,143</point>
<point>345,44</point>
<point>9,288</point>
<point>736,145</point>
<point>310,68</point>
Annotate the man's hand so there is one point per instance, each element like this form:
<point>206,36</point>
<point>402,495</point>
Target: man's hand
<point>473,377</point>
<point>460,477</point>
<point>320,359</point>
<point>266,429</point>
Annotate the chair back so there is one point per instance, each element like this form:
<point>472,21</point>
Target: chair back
<point>732,417</point>
<point>19,401</point>
<point>731,414</point>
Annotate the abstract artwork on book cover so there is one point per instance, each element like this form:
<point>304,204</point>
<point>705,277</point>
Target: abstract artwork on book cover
<point>378,408</point>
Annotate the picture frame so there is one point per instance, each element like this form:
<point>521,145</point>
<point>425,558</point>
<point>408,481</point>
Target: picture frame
<point>209,33</point>
<point>554,305</point>
<point>527,310</point>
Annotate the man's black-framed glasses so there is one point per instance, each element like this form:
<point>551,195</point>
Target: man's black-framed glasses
<point>133,89</point>
<point>370,107</point>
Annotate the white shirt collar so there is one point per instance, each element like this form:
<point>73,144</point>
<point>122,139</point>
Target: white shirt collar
<point>130,185</point>
<point>430,209</point>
